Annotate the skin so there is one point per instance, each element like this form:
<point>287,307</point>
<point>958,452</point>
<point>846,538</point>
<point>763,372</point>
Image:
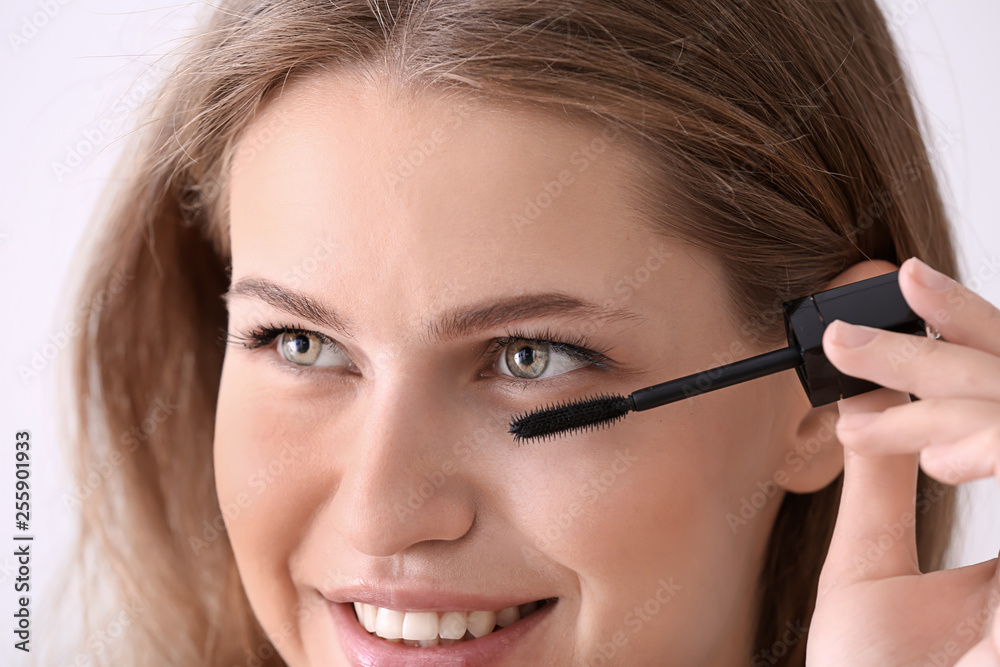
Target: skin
<point>319,467</point>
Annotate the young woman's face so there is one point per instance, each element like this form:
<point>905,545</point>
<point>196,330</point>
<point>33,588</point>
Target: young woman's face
<point>364,456</point>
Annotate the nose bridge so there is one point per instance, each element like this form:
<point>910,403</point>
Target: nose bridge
<point>403,483</point>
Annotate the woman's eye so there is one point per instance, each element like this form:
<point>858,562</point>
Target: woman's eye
<point>307,349</point>
<point>520,356</point>
<point>533,360</point>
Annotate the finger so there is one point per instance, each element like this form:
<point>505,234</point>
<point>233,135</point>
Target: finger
<point>912,427</point>
<point>986,653</point>
<point>958,313</point>
<point>917,365</point>
<point>875,535</point>
<point>974,457</point>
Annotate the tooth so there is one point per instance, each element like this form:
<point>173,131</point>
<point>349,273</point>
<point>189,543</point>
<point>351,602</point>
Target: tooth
<point>389,623</point>
<point>420,625</point>
<point>528,608</point>
<point>366,615</point>
<point>453,625</point>
<point>508,616</point>
<point>370,611</point>
<point>428,642</point>
<point>481,623</point>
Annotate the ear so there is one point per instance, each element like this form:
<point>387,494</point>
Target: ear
<point>813,457</point>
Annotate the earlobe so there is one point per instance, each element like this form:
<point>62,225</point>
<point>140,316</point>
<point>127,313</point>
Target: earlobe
<point>813,455</point>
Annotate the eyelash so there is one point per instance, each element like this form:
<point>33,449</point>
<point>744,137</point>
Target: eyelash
<point>579,348</point>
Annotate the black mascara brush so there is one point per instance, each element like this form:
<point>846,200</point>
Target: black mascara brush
<point>875,302</point>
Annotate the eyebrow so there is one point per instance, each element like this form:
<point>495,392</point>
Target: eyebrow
<point>454,324</point>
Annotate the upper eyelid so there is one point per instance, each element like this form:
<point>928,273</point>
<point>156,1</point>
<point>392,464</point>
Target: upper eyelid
<point>507,336</point>
<point>575,352</point>
<point>319,334</point>
<point>496,344</point>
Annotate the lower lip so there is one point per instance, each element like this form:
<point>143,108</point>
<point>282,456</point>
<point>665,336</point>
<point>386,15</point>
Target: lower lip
<point>364,649</point>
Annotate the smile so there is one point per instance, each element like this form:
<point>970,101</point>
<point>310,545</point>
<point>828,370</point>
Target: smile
<point>430,628</point>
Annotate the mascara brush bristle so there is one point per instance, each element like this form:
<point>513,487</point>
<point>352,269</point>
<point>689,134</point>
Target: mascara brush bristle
<point>578,414</point>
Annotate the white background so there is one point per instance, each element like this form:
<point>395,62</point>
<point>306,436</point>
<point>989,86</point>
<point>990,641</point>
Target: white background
<point>76,81</point>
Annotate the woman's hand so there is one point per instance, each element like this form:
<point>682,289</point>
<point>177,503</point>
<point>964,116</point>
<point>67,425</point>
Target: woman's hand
<point>874,607</point>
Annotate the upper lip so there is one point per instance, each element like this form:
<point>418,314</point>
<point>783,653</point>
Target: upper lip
<point>428,598</point>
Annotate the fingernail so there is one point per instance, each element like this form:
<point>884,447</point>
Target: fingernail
<point>856,420</point>
<point>930,278</point>
<point>935,452</point>
<point>852,335</point>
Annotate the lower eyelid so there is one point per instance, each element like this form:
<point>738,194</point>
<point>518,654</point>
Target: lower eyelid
<point>550,384</point>
<point>315,373</point>
<point>547,382</point>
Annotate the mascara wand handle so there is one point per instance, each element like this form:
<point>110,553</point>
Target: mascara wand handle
<point>716,378</point>
<point>876,302</point>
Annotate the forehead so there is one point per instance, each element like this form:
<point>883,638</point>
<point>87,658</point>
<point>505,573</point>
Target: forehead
<point>350,189</point>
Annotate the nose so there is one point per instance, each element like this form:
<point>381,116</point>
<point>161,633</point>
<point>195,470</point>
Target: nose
<point>401,481</point>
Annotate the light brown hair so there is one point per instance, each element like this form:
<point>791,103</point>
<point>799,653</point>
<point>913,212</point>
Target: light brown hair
<point>778,134</point>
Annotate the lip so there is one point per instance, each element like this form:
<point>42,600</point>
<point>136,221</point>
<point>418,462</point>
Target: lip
<point>367,650</point>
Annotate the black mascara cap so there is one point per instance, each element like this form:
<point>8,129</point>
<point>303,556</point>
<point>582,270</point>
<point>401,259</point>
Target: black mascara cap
<point>877,302</point>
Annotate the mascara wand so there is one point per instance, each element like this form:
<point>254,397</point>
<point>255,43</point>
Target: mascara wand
<point>875,302</point>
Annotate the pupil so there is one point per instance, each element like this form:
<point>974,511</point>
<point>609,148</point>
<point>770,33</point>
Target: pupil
<point>300,344</point>
<point>527,362</point>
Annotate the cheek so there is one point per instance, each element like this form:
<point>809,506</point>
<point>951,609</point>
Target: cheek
<point>642,525</point>
<point>265,488</point>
